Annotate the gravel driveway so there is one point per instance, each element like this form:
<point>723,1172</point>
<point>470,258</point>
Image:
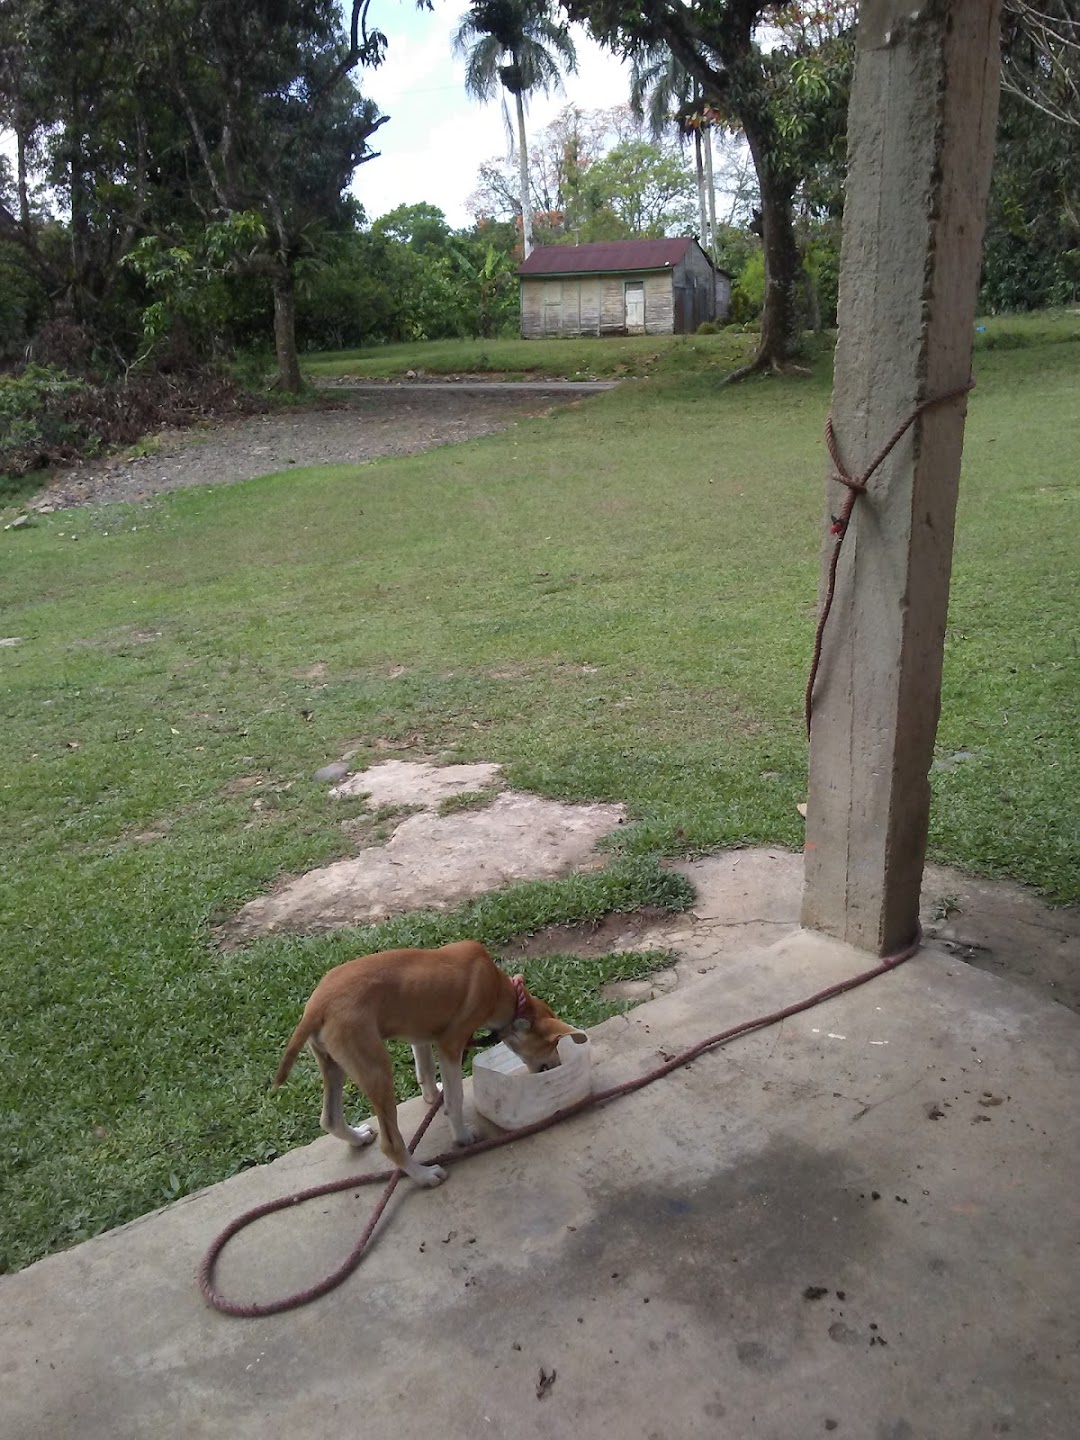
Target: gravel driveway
<point>366,424</point>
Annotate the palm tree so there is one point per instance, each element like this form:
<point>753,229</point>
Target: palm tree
<point>662,92</point>
<point>519,45</point>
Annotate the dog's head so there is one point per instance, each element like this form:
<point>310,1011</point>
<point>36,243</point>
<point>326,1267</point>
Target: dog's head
<point>535,1032</point>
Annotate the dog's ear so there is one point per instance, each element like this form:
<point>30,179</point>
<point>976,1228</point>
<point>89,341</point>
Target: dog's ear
<point>562,1029</point>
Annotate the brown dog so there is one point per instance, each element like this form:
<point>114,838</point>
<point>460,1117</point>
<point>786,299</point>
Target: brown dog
<point>431,998</point>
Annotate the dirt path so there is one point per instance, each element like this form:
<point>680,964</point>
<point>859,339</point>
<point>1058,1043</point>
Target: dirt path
<point>364,424</point>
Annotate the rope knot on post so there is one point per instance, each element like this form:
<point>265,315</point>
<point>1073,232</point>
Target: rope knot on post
<point>856,485</point>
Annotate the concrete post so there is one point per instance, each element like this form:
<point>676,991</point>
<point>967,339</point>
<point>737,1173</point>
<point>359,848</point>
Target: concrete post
<point>920,143</point>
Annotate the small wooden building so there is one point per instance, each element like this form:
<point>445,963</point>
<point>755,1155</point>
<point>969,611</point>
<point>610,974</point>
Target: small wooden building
<point>621,287</point>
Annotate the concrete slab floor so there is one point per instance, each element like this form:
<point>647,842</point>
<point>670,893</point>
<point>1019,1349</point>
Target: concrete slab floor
<point>862,1223</point>
<point>748,898</point>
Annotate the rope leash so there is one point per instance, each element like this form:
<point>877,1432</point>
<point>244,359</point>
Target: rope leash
<point>390,1178</point>
<point>856,486</point>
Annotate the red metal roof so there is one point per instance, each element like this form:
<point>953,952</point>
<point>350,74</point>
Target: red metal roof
<point>607,255</point>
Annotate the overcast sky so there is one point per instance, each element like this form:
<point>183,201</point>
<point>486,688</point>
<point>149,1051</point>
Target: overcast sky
<point>437,137</point>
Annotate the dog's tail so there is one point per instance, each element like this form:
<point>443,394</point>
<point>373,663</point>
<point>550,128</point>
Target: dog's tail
<point>309,1023</point>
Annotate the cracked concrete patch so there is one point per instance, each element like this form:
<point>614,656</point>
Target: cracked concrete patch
<point>432,861</point>
<point>745,899</point>
<point>411,782</point>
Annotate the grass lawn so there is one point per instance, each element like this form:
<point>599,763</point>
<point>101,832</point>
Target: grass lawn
<point>513,358</point>
<point>615,602</point>
<point>615,356</point>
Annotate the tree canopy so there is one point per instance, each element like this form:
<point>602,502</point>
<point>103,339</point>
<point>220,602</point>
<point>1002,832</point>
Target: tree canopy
<point>154,120</point>
<point>1031,254</point>
<point>521,46</point>
<point>595,175</point>
<point>781,98</point>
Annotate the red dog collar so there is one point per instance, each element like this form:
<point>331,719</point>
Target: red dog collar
<point>518,983</point>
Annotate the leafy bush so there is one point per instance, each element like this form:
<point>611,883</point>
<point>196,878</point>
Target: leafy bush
<point>708,327</point>
<point>48,416</point>
<point>201,291</point>
<point>1031,250</point>
<point>22,301</point>
<point>748,292</point>
<point>822,261</point>
<point>35,419</point>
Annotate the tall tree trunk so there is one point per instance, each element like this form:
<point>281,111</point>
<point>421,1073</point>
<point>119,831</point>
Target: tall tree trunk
<point>778,318</point>
<point>778,329</point>
<point>79,201</point>
<point>710,189</point>
<point>523,176</point>
<point>285,329</point>
<point>699,169</point>
<point>813,302</point>
<point>21,131</point>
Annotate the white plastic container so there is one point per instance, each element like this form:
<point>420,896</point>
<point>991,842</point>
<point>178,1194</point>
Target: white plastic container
<point>507,1093</point>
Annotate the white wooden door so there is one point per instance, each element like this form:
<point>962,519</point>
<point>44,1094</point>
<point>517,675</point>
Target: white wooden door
<point>635,306</point>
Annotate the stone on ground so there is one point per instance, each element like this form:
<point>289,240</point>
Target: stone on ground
<point>433,861</point>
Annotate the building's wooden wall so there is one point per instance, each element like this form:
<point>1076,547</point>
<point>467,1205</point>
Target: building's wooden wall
<point>659,313</point>
<point>694,286</point>
<point>723,295</point>
<point>613,313</point>
<point>591,305</point>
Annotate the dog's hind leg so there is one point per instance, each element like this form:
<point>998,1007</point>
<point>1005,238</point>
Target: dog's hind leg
<point>333,1118</point>
<point>424,1057</point>
<point>371,1070</point>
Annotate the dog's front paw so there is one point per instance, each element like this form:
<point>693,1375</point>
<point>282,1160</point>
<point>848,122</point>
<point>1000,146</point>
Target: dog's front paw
<point>467,1136</point>
<point>360,1136</point>
<point>429,1176</point>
